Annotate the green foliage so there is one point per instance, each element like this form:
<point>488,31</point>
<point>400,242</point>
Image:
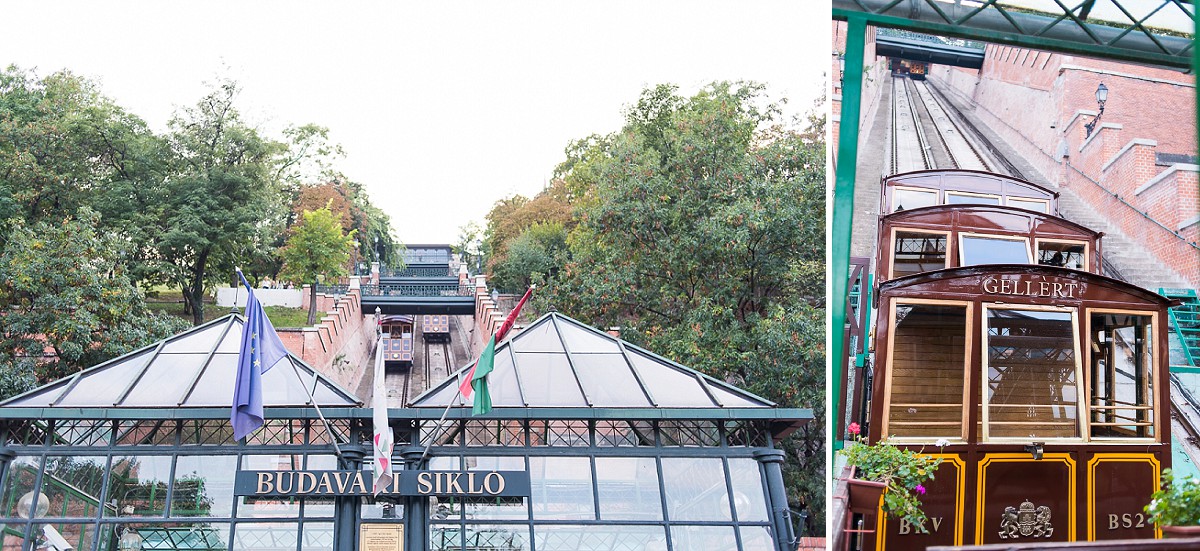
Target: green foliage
<point>538,251</point>
<point>65,292</point>
<point>1177,503</point>
<point>701,233</point>
<point>904,471</point>
<point>317,248</point>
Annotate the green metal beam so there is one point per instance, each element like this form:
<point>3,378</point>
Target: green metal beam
<point>842,219</point>
<point>557,413</point>
<point>1000,25</point>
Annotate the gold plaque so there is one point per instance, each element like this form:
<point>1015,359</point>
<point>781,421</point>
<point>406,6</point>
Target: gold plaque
<point>381,537</point>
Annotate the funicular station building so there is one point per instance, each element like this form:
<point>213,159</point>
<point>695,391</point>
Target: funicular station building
<point>593,444</point>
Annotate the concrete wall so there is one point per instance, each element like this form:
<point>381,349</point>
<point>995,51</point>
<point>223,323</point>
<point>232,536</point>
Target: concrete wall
<point>268,297</point>
<point>874,76</point>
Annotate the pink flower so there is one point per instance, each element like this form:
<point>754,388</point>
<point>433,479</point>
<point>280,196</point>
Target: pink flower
<point>919,489</point>
<point>853,428</point>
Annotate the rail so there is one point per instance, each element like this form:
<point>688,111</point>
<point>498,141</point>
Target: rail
<point>420,271</point>
<point>412,290</point>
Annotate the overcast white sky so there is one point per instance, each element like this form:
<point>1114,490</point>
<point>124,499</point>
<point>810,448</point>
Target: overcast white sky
<point>443,107</point>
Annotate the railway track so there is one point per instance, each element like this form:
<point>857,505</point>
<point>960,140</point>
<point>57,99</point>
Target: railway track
<point>442,351</point>
<point>925,135</point>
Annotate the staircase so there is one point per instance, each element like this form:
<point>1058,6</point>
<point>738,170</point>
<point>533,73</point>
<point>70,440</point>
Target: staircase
<point>1185,323</point>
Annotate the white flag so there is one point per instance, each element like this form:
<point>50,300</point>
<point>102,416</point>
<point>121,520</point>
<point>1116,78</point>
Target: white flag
<point>384,440</point>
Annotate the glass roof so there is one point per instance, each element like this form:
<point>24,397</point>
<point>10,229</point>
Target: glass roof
<point>560,362</point>
<point>195,368</point>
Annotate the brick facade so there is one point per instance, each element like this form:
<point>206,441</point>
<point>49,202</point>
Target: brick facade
<point>341,342</point>
<point>1040,102</point>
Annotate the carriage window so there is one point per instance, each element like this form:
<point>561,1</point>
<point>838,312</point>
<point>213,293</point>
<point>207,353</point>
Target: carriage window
<point>993,250</point>
<point>908,199</point>
<point>1122,374</point>
<point>927,371</point>
<point>1031,387</point>
<point>1038,205</point>
<point>1062,255</point>
<point>953,198</point>
<point>916,252</point>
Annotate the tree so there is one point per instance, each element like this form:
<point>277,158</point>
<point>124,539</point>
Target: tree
<point>317,248</point>
<point>470,245</point>
<point>223,204</point>
<point>701,234</point>
<point>67,302</point>
<point>535,254</point>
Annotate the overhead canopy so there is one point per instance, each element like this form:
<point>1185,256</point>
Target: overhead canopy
<point>559,362</point>
<point>192,369</point>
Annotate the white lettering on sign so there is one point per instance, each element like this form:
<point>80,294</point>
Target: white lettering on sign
<point>1030,288</point>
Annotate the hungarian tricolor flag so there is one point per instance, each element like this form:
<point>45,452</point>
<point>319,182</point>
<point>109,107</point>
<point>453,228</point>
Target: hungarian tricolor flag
<point>476,378</point>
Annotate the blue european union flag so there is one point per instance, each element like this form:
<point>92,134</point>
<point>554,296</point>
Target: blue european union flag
<point>261,349</point>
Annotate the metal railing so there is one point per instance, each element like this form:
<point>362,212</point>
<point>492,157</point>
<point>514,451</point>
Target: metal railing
<point>420,271</point>
<point>417,290</point>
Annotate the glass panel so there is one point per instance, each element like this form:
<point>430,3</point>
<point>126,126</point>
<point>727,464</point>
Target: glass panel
<point>77,536</point>
<point>502,383</point>
<point>1031,386</point>
<point>608,380</point>
<point>928,371</point>
<point>561,488</point>
<point>316,536</point>
<point>908,199</point>
<point>280,385</point>
<point>1063,255</point>
<point>137,486</point>
<point>262,535</point>
<point>628,488</point>
<point>729,399</point>
<point>445,537</point>
<point>695,489</point>
<point>756,538</point>
<point>669,386</point>
<point>1122,369</point>
<point>105,386</point>
<point>748,495</point>
<point>197,342</point>
<point>916,252</point>
<point>494,508</point>
<point>624,433</point>
<point>708,538</point>
<point>1029,204</point>
<point>963,199</point>
<point>166,379</point>
<point>539,338</point>
<point>566,537</point>
<point>74,484</point>
<point>268,507</point>
<point>584,341</point>
<point>483,537</point>
<point>14,541</point>
<point>204,486</point>
<point>213,386</point>
<point>987,250</point>
<point>22,475</point>
<point>173,536</point>
<point>547,380</point>
<point>383,509</point>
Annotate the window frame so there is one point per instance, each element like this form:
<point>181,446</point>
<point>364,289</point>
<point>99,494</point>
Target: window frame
<point>1080,388</point>
<point>1044,202</point>
<point>890,367</point>
<point>937,196</point>
<point>1155,407</point>
<point>891,261</point>
<point>1087,249</point>
<point>1029,258</point>
<point>999,197</point>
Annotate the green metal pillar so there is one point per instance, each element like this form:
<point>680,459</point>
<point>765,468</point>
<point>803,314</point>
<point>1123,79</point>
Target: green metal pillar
<point>842,219</point>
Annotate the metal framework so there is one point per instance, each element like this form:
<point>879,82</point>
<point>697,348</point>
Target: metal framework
<point>1152,32</point>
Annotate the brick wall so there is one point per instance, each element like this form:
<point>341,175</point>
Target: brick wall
<point>1039,103</point>
<point>341,342</point>
<point>874,76</point>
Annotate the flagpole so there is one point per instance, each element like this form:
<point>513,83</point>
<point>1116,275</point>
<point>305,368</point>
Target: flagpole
<point>312,400</point>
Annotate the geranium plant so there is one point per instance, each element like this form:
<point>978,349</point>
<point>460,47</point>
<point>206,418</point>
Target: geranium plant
<point>904,471</point>
<point>1177,503</point>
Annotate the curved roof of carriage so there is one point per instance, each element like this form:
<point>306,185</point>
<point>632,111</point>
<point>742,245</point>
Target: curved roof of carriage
<point>194,369</point>
<point>558,362</point>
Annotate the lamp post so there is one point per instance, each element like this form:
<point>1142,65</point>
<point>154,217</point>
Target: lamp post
<point>356,246</point>
<point>1101,98</point>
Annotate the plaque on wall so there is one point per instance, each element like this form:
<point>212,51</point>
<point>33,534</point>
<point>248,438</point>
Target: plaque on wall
<point>380,537</point>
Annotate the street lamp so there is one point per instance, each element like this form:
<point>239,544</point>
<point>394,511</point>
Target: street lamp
<point>1101,98</point>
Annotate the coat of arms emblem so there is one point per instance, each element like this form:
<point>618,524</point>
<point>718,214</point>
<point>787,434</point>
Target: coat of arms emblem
<point>1028,521</point>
